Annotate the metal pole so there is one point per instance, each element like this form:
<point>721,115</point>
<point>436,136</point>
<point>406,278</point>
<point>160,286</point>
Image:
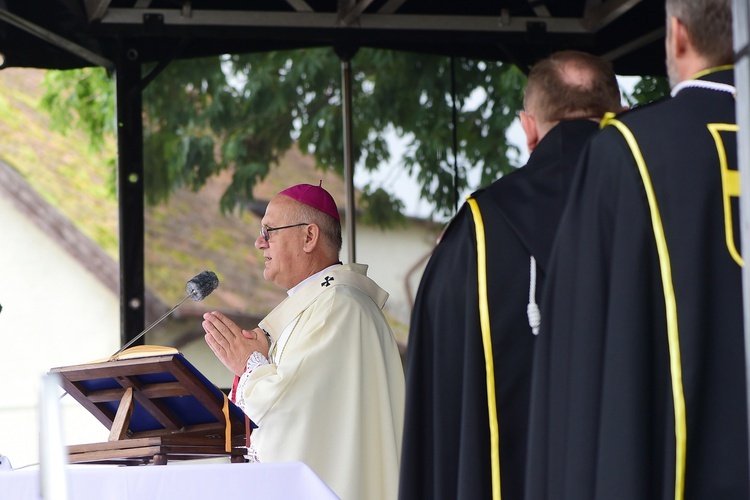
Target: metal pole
<point>741,33</point>
<point>130,194</point>
<point>454,119</point>
<point>351,209</point>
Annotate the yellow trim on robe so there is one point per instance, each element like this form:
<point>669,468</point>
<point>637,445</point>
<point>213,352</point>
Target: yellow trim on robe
<point>675,362</point>
<point>730,186</point>
<point>227,425</point>
<point>489,364</point>
<point>708,71</point>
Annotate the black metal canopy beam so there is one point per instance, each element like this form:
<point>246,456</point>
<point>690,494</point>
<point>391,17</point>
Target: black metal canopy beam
<point>300,5</point>
<point>402,22</point>
<point>635,44</point>
<point>130,194</point>
<point>593,20</point>
<point>607,12</point>
<point>54,39</point>
<point>96,8</point>
<point>395,24</point>
<point>354,12</point>
<point>391,6</point>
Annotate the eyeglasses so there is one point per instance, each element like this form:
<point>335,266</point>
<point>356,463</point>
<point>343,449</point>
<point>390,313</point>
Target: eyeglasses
<point>264,230</point>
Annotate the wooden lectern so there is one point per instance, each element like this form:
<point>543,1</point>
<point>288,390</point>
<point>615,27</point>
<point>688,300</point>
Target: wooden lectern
<point>157,406</point>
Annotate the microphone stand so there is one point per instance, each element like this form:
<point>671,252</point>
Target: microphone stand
<point>111,358</point>
<point>199,290</point>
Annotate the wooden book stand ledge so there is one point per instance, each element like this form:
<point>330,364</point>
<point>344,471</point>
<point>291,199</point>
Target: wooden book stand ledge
<point>157,406</point>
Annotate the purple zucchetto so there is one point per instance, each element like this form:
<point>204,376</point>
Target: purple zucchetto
<point>314,196</point>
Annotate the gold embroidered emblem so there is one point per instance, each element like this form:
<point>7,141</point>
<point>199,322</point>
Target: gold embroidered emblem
<point>730,183</point>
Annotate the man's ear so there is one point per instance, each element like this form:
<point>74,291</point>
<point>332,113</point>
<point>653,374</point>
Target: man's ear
<point>312,237</point>
<point>529,125</point>
<point>680,40</point>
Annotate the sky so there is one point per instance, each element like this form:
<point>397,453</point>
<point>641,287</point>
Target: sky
<point>393,178</point>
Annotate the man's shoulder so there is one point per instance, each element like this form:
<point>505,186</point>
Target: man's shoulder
<point>343,301</point>
<point>456,226</point>
<point>350,280</point>
<point>549,166</point>
<point>561,146</point>
<point>637,120</point>
<point>647,107</point>
<point>689,109</point>
<point>658,122</point>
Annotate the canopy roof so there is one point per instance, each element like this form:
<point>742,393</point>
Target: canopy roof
<point>65,34</point>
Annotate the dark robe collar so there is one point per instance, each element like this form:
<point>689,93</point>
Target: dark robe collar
<point>532,198</point>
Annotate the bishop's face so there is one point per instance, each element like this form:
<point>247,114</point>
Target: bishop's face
<point>283,251</point>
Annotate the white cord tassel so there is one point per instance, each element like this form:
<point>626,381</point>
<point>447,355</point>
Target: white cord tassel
<point>532,309</point>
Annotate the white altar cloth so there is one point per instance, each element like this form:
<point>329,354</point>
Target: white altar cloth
<point>184,481</point>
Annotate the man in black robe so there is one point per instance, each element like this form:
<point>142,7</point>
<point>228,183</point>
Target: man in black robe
<point>639,377</point>
<point>470,352</point>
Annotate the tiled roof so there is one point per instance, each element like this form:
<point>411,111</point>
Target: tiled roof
<point>183,237</point>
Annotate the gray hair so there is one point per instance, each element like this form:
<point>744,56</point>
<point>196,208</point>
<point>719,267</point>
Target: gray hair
<point>709,25</point>
<point>330,228</point>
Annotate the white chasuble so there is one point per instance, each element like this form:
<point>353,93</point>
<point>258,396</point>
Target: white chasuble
<point>334,396</point>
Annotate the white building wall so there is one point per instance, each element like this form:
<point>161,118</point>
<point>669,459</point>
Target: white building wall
<point>55,313</point>
<point>391,256</point>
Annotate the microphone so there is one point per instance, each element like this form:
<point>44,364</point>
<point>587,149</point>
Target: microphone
<point>197,289</point>
<point>201,286</point>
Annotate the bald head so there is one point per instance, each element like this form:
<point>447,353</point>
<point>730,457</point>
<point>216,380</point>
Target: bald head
<point>568,85</point>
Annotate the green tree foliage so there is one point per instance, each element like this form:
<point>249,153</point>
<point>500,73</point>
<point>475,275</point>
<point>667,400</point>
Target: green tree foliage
<point>85,97</point>
<point>648,89</point>
<point>244,111</point>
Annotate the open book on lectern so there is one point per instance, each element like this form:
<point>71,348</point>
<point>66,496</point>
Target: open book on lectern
<point>153,391</point>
